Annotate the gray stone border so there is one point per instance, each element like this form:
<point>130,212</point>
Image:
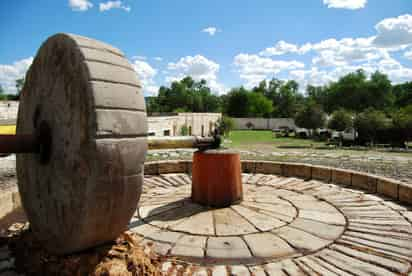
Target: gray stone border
<point>391,188</point>
<point>374,184</point>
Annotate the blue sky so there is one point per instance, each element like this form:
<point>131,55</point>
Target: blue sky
<point>229,43</point>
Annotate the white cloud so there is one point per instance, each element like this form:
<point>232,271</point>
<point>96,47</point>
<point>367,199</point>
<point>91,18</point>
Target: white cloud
<point>281,48</point>
<point>211,30</point>
<point>9,73</point>
<point>146,74</point>
<point>253,68</point>
<point>394,32</point>
<point>158,58</point>
<point>345,4</point>
<point>198,67</point>
<point>80,5</point>
<point>408,54</point>
<point>139,57</point>
<point>113,5</point>
<point>334,58</point>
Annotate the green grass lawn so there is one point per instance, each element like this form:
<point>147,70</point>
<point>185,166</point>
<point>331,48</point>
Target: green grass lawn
<point>242,138</point>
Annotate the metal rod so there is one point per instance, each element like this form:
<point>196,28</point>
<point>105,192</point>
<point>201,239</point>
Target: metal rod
<point>30,143</point>
<point>171,142</point>
<point>22,143</point>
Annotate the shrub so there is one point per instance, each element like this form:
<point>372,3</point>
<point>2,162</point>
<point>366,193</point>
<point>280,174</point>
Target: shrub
<point>369,124</point>
<point>224,125</point>
<point>311,116</point>
<point>340,120</point>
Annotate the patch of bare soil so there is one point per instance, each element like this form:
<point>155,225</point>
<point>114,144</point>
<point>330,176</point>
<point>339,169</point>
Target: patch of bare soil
<point>123,257</point>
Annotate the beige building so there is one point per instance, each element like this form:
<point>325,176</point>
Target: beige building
<point>200,124</point>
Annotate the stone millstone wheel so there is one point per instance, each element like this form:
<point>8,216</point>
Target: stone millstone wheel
<point>89,96</point>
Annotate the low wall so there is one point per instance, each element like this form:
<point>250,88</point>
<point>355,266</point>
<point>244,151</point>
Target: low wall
<point>263,123</point>
<point>370,183</point>
<point>10,201</point>
<point>8,112</point>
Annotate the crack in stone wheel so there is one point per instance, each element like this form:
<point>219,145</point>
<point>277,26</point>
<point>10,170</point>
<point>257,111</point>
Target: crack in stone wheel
<point>88,94</point>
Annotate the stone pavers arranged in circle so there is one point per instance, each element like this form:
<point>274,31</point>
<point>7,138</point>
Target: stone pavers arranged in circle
<point>284,226</point>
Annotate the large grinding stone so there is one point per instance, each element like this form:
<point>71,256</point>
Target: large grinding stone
<point>89,95</point>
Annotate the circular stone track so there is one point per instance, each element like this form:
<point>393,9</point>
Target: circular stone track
<point>284,226</point>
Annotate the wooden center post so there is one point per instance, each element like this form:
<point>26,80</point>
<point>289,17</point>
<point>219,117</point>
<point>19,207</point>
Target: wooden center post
<point>216,178</point>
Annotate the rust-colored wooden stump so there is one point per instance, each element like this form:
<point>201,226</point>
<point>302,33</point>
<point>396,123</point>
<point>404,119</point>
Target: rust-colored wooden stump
<point>216,178</point>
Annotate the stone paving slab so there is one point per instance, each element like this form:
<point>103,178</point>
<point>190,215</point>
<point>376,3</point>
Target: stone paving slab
<point>284,226</point>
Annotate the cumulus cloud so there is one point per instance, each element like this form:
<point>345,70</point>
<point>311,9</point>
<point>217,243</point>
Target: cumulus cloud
<point>254,68</point>
<point>80,5</point>
<point>280,48</point>
<point>9,73</point>
<point>146,74</point>
<point>210,30</point>
<point>158,58</point>
<point>198,67</point>
<point>113,5</point>
<point>333,58</point>
<point>394,32</point>
<point>408,54</point>
<point>345,4</point>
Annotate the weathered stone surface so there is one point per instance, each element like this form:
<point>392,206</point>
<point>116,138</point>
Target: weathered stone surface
<point>259,220</point>
<point>199,224</point>
<point>378,235</point>
<point>257,271</point>
<point>322,230</point>
<point>269,168</point>
<point>405,253</point>
<point>405,193</point>
<point>315,205</point>
<point>300,239</point>
<point>227,248</point>
<point>228,222</point>
<point>393,265</point>
<point>279,210</point>
<point>172,167</point>
<point>239,270</point>
<point>88,191</point>
<point>352,264</point>
<point>267,245</point>
<point>189,246</point>
<point>4,252</point>
<point>286,267</point>
<point>248,166</point>
<point>388,187</point>
<point>297,170</point>
<point>335,218</point>
<point>158,247</point>
<point>322,173</point>
<point>151,168</point>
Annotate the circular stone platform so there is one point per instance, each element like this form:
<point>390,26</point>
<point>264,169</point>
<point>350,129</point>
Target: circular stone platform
<point>284,225</point>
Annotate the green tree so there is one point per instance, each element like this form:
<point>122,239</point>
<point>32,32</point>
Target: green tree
<point>185,95</point>
<point>311,116</point>
<point>379,91</point>
<point>403,94</point>
<point>402,122</point>
<point>238,103</point>
<point>340,120</point>
<point>224,125</point>
<point>369,123</point>
<point>2,95</point>
<point>19,85</point>
<point>259,105</point>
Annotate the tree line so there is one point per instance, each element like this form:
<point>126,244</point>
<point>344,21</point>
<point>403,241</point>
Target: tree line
<point>380,111</point>
<point>12,97</point>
